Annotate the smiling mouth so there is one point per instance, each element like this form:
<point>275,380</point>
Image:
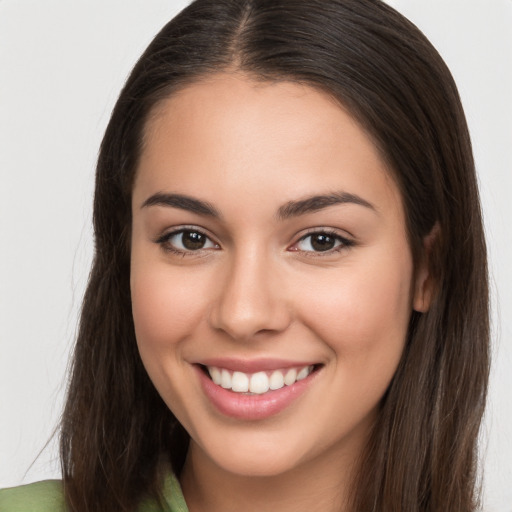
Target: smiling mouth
<point>257,383</point>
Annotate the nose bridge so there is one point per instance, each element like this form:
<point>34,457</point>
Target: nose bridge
<point>250,299</point>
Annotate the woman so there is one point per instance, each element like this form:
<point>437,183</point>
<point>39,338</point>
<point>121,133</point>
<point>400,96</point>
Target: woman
<point>288,303</point>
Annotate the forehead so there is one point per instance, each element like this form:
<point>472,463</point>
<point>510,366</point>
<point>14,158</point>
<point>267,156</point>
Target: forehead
<point>234,104</point>
<point>254,136</point>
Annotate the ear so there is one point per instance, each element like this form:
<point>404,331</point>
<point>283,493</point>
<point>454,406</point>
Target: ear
<point>425,284</point>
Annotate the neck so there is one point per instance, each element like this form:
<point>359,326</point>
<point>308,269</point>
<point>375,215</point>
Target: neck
<point>319,484</point>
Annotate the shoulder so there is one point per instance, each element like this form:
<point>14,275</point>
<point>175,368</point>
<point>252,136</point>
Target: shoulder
<point>46,496</point>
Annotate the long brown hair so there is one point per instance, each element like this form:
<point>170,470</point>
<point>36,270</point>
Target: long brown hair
<point>118,437</point>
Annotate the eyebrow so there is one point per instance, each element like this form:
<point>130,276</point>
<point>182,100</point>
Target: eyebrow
<point>316,203</point>
<point>183,203</point>
<point>286,211</point>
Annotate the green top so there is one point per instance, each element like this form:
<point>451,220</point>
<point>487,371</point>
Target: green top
<point>47,496</point>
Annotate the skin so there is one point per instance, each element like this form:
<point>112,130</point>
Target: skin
<point>257,289</point>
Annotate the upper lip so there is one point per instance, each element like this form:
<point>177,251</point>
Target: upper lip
<point>253,365</point>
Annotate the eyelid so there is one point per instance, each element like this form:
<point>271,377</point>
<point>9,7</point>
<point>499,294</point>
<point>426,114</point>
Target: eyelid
<point>346,241</point>
<point>163,240</point>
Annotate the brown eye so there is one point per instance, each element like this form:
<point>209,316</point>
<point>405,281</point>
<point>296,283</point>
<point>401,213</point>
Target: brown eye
<point>322,241</point>
<point>192,240</point>
<point>186,240</point>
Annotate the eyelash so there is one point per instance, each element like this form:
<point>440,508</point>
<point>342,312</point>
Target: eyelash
<point>164,242</point>
<point>344,243</point>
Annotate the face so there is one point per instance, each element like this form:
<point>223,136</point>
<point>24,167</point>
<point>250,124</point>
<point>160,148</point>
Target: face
<point>271,277</point>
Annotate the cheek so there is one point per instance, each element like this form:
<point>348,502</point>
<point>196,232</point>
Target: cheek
<point>365,313</point>
<point>165,308</point>
<point>164,304</point>
<point>363,319</point>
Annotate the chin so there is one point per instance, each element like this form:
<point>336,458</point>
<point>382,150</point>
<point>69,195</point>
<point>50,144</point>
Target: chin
<point>260,467</point>
<point>254,459</point>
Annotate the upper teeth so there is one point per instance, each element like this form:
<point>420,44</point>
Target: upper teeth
<point>259,382</point>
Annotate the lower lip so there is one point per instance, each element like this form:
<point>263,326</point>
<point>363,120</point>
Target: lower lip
<point>253,407</point>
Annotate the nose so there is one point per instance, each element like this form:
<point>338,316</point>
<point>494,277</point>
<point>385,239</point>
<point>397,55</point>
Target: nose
<point>251,299</point>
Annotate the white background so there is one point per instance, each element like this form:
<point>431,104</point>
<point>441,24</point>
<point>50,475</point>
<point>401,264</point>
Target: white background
<point>62,65</point>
